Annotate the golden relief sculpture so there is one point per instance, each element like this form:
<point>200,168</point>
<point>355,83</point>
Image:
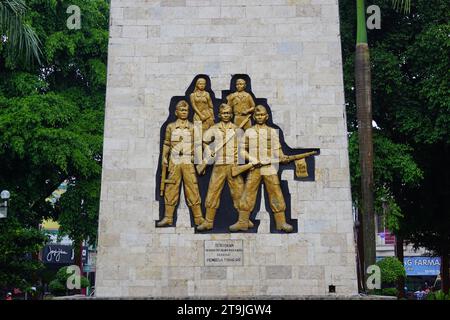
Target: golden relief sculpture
<point>222,166</point>
<point>263,152</point>
<point>242,104</point>
<point>177,161</point>
<point>202,104</point>
<point>245,160</point>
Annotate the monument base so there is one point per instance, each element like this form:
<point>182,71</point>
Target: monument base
<point>291,52</point>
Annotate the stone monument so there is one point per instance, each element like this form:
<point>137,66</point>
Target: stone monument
<point>199,80</point>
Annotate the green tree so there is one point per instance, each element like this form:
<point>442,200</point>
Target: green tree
<point>17,246</point>
<point>20,40</point>
<point>51,122</point>
<point>363,90</point>
<point>79,212</point>
<point>393,164</point>
<point>409,63</point>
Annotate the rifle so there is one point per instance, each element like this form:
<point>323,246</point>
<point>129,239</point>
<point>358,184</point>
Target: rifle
<point>235,171</point>
<point>164,181</point>
<point>201,167</point>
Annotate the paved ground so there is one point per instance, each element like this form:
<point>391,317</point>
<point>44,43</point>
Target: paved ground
<point>324,297</point>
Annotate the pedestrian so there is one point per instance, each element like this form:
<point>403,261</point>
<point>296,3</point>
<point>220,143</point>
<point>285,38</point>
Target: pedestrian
<point>420,294</point>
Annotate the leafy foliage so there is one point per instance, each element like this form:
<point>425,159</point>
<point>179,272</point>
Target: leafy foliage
<point>51,126</point>
<point>58,285</point>
<point>20,40</point>
<point>393,163</point>
<point>391,292</point>
<point>79,211</point>
<point>438,295</point>
<point>17,244</point>
<point>62,275</point>
<point>57,288</point>
<point>410,59</point>
<point>391,270</point>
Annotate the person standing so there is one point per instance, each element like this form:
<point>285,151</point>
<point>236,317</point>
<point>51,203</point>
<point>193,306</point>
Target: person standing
<point>242,103</point>
<point>225,157</point>
<point>202,104</point>
<point>177,156</point>
<point>263,149</point>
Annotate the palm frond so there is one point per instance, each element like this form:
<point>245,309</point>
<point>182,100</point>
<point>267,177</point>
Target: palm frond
<point>16,6</point>
<point>402,5</point>
<point>21,40</point>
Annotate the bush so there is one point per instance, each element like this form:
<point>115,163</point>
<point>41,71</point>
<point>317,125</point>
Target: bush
<point>391,270</point>
<point>57,288</point>
<point>85,282</point>
<point>389,292</point>
<point>62,277</point>
<point>384,292</point>
<point>438,295</point>
<point>58,285</point>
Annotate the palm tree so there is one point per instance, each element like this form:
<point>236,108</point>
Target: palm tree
<point>16,35</point>
<point>363,89</point>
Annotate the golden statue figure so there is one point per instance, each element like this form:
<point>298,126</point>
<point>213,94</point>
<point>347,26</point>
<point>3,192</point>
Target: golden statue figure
<point>225,157</point>
<point>177,157</point>
<point>202,104</point>
<point>242,104</point>
<point>262,169</point>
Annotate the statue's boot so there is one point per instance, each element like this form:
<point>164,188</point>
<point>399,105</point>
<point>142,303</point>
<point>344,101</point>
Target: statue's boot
<point>250,223</point>
<point>168,217</point>
<point>198,216</point>
<point>208,224</point>
<point>243,222</point>
<point>280,222</point>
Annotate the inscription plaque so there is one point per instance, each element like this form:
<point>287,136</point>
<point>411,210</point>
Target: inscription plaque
<point>224,253</point>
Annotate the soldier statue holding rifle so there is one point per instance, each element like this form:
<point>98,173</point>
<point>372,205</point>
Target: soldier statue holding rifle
<point>263,151</point>
<point>177,158</point>
<point>225,157</point>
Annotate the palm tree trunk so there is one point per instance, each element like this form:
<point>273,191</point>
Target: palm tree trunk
<point>360,255</point>
<point>364,114</point>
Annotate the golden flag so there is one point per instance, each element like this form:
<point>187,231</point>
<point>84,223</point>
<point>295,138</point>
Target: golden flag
<point>301,169</point>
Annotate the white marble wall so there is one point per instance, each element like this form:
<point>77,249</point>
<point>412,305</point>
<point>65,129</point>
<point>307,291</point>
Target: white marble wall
<point>291,50</point>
